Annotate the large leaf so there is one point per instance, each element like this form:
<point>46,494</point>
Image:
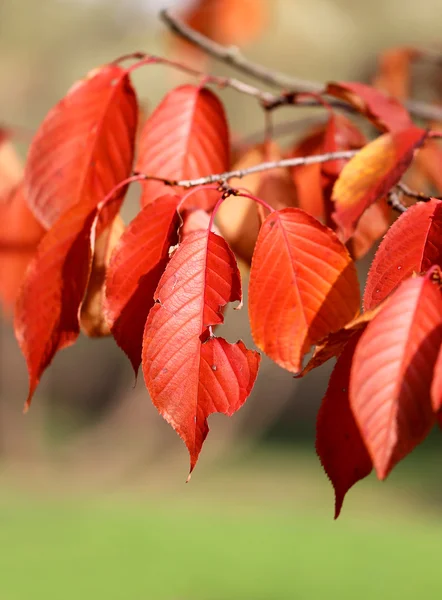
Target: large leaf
<point>372,173</point>
<point>135,269</point>
<point>185,137</point>
<point>188,372</point>
<point>339,445</point>
<point>47,309</point>
<point>392,372</point>
<point>383,110</point>
<point>412,245</point>
<point>85,145</point>
<point>303,285</point>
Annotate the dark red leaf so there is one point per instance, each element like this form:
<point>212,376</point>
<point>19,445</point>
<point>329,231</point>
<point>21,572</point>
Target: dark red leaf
<point>339,445</point>
<point>412,245</point>
<point>392,372</point>
<point>135,269</point>
<point>188,372</point>
<point>303,285</point>
<point>85,145</point>
<point>186,137</point>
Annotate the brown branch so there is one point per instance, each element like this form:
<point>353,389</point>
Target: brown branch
<point>265,166</point>
<point>395,202</point>
<point>233,57</point>
<point>404,189</point>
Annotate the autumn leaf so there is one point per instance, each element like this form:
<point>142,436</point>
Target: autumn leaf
<point>383,110</point>
<point>188,372</point>
<point>334,343</point>
<point>11,169</point>
<point>186,137</point>
<point>136,266</point>
<point>238,218</point>
<point>84,147</point>
<point>392,371</point>
<point>303,285</point>
<point>371,174</point>
<point>46,316</point>
<point>373,224</point>
<point>92,320</point>
<point>20,235</point>
<point>412,245</point>
<point>339,445</point>
<point>393,76</point>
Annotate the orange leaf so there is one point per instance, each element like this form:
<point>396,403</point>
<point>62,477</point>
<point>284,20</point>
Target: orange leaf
<point>392,371</point>
<point>339,445</point>
<point>85,145</point>
<point>136,266</point>
<point>186,137</point>
<point>188,372</point>
<point>238,218</point>
<point>303,285</point>
<point>371,174</point>
<point>19,237</point>
<point>393,75</point>
<point>412,245</point>
<point>371,226</point>
<point>11,169</point>
<point>383,110</point>
<point>92,320</point>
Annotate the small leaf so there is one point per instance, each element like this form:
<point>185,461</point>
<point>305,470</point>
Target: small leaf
<point>92,319</point>
<point>19,237</point>
<point>186,137</point>
<point>412,245</point>
<point>303,285</point>
<point>371,226</point>
<point>46,317</point>
<point>394,71</point>
<point>136,266</point>
<point>84,147</point>
<point>392,372</point>
<point>372,173</point>
<point>238,218</point>
<point>188,372</point>
<point>339,445</point>
<point>383,110</point>
<point>333,344</point>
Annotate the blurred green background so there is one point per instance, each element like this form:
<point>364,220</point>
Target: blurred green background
<point>92,496</point>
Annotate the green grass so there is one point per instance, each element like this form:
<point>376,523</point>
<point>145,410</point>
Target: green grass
<point>127,549</point>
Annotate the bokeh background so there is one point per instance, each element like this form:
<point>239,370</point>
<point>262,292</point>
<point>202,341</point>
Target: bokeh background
<point>92,496</point>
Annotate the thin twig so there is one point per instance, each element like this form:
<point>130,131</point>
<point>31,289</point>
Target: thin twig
<point>395,202</point>
<point>402,187</point>
<point>233,57</point>
<point>265,166</point>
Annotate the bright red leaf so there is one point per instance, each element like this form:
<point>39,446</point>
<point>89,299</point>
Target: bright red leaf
<point>303,285</point>
<point>392,371</point>
<point>85,145</point>
<point>371,174</point>
<point>47,309</point>
<point>188,372</point>
<point>339,445</point>
<point>136,266</point>
<point>383,110</point>
<point>186,137</point>
<point>412,245</point>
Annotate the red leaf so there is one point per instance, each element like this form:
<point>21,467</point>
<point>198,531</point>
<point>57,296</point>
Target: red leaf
<point>136,266</point>
<point>303,285</point>
<point>185,138</point>
<point>19,237</point>
<point>383,110</point>
<point>371,226</point>
<point>392,371</point>
<point>85,145</point>
<point>371,174</point>
<point>412,245</point>
<point>339,445</point>
<point>46,318</point>
<point>189,373</point>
